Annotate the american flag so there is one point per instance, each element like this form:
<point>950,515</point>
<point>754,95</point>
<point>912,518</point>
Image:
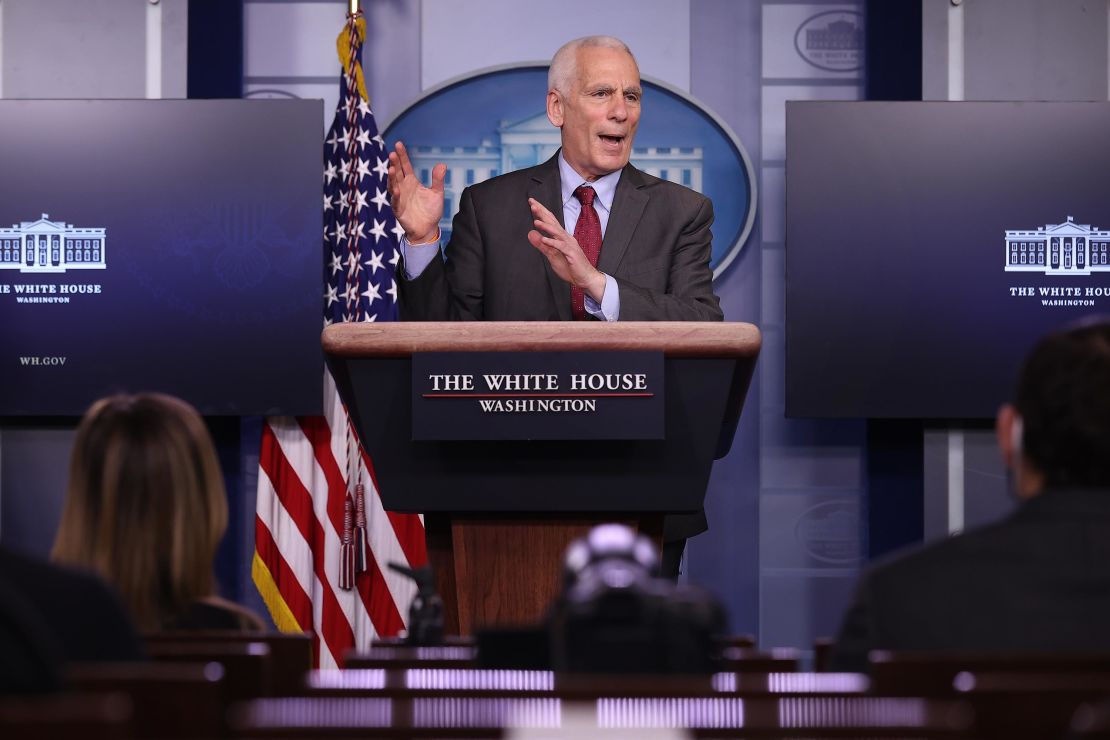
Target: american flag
<point>322,538</point>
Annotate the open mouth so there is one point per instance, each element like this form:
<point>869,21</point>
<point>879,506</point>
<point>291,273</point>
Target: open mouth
<point>611,141</point>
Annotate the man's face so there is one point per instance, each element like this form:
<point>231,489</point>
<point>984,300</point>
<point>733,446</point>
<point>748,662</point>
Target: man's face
<point>599,114</point>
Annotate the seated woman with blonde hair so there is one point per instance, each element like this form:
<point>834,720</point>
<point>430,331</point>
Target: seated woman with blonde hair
<point>146,509</point>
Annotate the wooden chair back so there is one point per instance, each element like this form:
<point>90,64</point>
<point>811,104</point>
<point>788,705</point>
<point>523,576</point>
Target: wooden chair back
<point>246,664</point>
<point>170,701</point>
<point>88,716</point>
<point>932,674</point>
<point>736,641</point>
<point>290,652</point>
<point>1029,704</point>
<point>1091,721</point>
<point>748,660</point>
<point>822,653</point>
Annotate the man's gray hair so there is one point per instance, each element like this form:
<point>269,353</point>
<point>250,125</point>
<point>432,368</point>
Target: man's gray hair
<point>564,65</point>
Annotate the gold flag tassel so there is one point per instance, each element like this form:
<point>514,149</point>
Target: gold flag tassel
<point>351,38</point>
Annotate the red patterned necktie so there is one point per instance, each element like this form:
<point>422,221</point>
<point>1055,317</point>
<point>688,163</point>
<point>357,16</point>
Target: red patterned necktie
<point>588,234</point>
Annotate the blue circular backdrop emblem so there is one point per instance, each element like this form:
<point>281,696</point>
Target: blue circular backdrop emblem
<point>494,121</point>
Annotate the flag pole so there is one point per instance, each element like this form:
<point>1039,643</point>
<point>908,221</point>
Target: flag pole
<point>354,6</point>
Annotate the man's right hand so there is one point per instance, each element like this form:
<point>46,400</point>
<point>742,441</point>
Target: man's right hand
<point>418,208</point>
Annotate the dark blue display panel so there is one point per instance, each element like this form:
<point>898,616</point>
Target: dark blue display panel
<point>169,245</point>
<point>928,245</point>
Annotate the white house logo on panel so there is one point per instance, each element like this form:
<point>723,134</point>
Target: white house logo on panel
<point>832,40</point>
<point>1066,248</point>
<point>46,246</point>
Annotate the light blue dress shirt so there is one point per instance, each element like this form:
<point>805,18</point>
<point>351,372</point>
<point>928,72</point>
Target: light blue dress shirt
<point>417,258</point>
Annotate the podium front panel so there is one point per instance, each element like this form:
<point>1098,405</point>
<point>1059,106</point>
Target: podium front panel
<point>504,476</point>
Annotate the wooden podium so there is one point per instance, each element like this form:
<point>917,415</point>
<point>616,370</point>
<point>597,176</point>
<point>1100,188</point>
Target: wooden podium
<point>499,515</point>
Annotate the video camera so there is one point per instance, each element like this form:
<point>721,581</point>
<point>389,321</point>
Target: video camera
<point>617,616</point>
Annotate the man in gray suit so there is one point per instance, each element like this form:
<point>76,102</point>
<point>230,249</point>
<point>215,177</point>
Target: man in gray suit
<point>515,252</point>
<point>584,235</point>
<point>1038,580</point>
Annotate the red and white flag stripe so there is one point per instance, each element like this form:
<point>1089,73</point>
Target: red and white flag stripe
<point>299,529</point>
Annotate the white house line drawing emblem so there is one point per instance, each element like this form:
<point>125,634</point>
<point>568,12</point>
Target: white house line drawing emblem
<point>1059,249</point>
<point>832,40</point>
<point>51,246</point>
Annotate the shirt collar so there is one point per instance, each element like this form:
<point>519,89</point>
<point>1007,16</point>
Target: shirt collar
<point>605,187</point>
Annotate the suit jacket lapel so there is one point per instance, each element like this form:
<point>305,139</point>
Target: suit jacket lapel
<point>628,205</point>
<point>546,187</point>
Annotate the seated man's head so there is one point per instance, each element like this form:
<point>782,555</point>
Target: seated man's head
<point>1056,432</point>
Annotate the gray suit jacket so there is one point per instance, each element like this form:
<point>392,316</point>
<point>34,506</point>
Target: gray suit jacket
<point>1038,580</point>
<point>657,247</point>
